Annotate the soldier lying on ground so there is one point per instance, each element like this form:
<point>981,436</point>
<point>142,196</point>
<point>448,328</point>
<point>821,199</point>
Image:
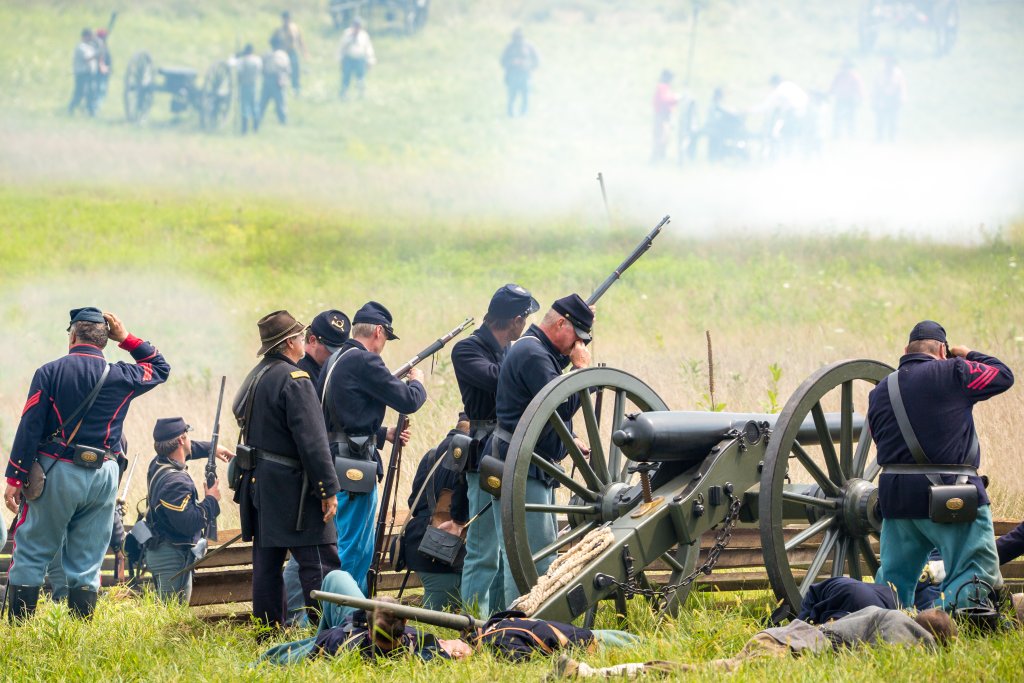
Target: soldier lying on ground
<point>839,596</point>
<point>507,634</point>
<point>869,626</point>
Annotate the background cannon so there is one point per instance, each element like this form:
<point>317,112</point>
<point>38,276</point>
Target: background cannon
<point>658,480</point>
<point>212,99</point>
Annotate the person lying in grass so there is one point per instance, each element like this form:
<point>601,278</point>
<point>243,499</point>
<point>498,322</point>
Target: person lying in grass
<point>384,634</point>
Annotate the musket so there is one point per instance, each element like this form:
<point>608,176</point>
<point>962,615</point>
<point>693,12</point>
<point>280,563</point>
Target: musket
<point>432,349</point>
<point>121,510</point>
<point>211,459</point>
<point>390,484</point>
<point>641,248</point>
<point>456,622</point>
<point>122,500</point>
<point>604,196</point>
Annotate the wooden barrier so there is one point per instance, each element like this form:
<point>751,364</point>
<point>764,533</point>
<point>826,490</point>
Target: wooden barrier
<point>227,578</point>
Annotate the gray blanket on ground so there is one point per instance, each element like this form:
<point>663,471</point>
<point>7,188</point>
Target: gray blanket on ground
<point>869,626</point>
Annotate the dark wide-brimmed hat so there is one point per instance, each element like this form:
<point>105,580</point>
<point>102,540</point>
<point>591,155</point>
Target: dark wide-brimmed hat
<point>576,310</point>
<point>275,328</point>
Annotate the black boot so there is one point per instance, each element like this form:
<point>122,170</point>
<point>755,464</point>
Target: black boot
<point>82,602</point>
<point>22,602</point>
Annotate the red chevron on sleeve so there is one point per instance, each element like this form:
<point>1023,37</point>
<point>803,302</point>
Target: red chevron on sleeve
<point>147,371</point>
<point>32,400</point>
<point>986,377</point>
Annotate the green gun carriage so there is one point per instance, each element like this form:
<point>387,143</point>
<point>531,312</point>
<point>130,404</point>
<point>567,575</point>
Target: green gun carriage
<point>211,100</point>
<point>660,479</point>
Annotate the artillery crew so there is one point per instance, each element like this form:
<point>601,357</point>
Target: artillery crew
<point>540,356</point>
<point>283,470</point>
<point>356,389</point>
<point>931,448</point>
<point>63,467</point>
<point>476,361</point>
<point>176,517</point>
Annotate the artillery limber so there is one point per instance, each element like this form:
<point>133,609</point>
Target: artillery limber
<point>658,480</point>
<point>211,100</point>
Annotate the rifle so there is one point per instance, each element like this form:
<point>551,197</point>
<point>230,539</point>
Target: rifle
<point>211,459</point>
<point>122,510</point>
<point>395,463</point>
<point>641,248</point>
<point>456,622</point>
<point>432,349</point>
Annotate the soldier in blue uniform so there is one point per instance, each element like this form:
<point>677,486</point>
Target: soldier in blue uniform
<point>73,445</point>
<point>1010,545</point>
<point>939,386</point>
<point>284,470</point>
<point>477,362</point>
<point>543,352</point>
<point>176,516</point>
<point>839,596</point>
<point>328,331</point>
<point>431,503</point>
<point>357,389</point>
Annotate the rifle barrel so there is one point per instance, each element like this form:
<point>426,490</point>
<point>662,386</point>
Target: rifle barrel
<point>458,622</point>
<point>641,248</point>
<point>433,348</point>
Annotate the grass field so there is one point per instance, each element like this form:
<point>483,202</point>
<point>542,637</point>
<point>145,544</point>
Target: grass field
<point>426,198</point>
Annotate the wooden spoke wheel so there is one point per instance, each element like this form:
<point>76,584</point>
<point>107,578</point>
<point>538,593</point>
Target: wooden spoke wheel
<point>138,87</point>
<point>818,505</point>
<point>589,487</point>
<point>218,91</point>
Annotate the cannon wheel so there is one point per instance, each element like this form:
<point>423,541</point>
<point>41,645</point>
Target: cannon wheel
<point>841,506</point>
<point>138,87</point>
<point>595,479</point>
<point>218,90</point>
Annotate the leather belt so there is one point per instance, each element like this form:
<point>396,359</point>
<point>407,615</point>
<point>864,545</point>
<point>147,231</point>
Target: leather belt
<point>503,434</point>
<point>294,463</point>
<point>953,470</point>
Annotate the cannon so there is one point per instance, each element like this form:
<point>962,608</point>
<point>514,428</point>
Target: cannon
<point>659,479</point>
<point>942,17</point>
<point>211,100</point>
<point>409,15</point>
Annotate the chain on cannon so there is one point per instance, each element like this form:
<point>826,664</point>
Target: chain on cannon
<point>661,597</point>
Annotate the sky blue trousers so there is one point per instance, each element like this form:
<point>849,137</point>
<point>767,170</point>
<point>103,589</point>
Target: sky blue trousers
<point>355,519</point>
<point>482,570</point>
<point>76,502</point>
<point>968,550</point>
<point>540,529</point>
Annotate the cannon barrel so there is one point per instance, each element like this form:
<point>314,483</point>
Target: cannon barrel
<point>675,436</point>
<point>457,622</point>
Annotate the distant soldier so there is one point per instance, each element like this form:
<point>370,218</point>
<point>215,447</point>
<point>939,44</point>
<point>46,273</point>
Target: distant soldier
<point>276,67</point>
<point>888,95</point>
<point>519,60</point>
<point>289,37</point>
<point>357,389</point>
<point>65,451</point>
<point>85,67</point>
<point>543,352</point>
<point>665,100</point>
<point>250,66</point>
<point>176,516</point>
<point>283,470</point>
<point>356,55</point>
<point>477,362</point>
<point>847,92</point>
<point>325,335</point>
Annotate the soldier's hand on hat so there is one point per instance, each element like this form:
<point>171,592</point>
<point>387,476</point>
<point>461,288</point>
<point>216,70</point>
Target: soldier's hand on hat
<point>115,328</point>
<point>580,445</point>
<point>580,355</point>
<point>329,505</point>
<point>224,454</point>
<point>213,491</point>
<point>404,436</point>
<point>960,351</point>
<point>415,374</point>
<point>12,498</point>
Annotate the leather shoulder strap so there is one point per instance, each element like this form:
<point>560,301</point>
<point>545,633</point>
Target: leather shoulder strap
<point>250,396</point>
<point>907,430</point>
<point>328,408</point>
<point>83,409</point>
